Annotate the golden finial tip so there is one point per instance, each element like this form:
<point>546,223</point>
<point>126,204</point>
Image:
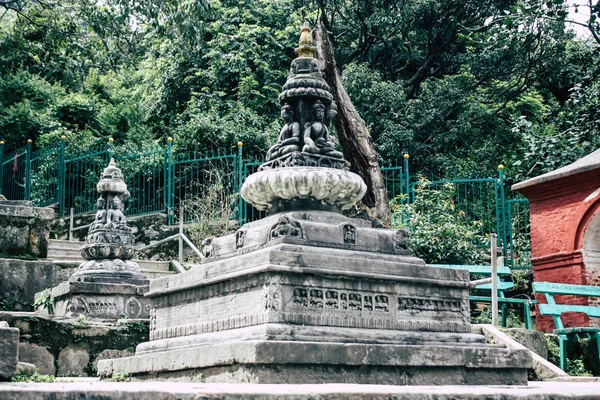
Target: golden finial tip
<point>169,139</point>
<point>29,141</point>
<point>406,156</point>
<point>2,142</point>
<point>240,144</point>
<point>500,166</point>
<point>306,47</point>
<point>63,137</point>
<point>110,140</point>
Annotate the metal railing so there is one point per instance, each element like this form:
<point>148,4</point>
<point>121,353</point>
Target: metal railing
<point>196,184</point>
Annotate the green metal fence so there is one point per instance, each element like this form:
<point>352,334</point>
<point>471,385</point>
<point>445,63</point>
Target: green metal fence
<point>519,233</point>
<point>158,181</point>
<point>205,183</point>
<point>198,184</point>
<point>486,201</point>
<point>14,174</point>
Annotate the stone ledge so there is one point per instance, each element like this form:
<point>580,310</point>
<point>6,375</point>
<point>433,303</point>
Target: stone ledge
<point>257,358</point>
<point>192,391</point>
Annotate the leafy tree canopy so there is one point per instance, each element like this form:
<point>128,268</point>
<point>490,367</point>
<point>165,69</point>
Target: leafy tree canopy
<point>462,86</point>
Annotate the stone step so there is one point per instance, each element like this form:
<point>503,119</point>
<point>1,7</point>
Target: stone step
<point>64,244</point>
<point>153,265</point>
<point>153,274</point>
<point>148,265</point>
<point>60,254</point>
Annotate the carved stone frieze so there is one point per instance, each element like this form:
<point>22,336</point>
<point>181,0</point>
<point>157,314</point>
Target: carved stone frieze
<point>286,226</point>
<point>339,300</point>
<point>298,159</point>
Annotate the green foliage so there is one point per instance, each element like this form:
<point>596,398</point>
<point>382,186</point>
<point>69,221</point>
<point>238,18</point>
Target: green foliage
<point>513,320</point>
<point>440,232</point>
<point>120,377</point>
<point>35,378</point>
<point>136,327</point>
<point>45,301</point>
<point>575,365</point>
<point>212,211</point>
<point>80,322</point>
<point>461,86</point>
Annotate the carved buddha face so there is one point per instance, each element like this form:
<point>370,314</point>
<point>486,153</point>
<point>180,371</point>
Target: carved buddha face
<point>115,203</point>
<point>286,115</point>
<point>319,113</point>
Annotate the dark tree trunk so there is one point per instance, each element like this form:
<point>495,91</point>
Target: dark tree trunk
<point>353,134</point>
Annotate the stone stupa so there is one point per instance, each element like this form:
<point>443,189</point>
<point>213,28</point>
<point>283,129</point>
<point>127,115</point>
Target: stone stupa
<point>307,295</point>
<point>108,285</point>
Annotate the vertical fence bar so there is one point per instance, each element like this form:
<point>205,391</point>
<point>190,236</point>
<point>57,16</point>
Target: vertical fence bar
<point>1,165</point>
<point>503,206</point>
<point>61,177</point>
<point>71,224</point>
<point>180,248</point>
<point>28,171</point>
<point>494,241</point>
<point>407,177</point>
<point>169,181</point>
<point>238,188</point>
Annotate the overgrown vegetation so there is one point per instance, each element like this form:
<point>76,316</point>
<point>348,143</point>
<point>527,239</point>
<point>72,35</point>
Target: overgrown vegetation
<point>461,86</point>
<point>440,232</point>
<point>45,301</point>
<point>212,209</point>
<point>35,378</point>
<point>576,365</point>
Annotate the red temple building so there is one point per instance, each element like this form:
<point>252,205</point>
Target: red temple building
<point>565,229</point>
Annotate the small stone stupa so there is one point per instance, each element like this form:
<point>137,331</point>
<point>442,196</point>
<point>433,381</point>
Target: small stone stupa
<point>307,295</point>
<point>108,285</point>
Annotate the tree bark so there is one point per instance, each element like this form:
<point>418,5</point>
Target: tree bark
<point>353,134</point>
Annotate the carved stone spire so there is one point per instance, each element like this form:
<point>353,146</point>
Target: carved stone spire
<point>307,109</point>
<point>306,47</point>
<point>110,242</point>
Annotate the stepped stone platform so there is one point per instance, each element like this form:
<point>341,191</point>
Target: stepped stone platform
<point>310,308</point>
<point>571,390</point>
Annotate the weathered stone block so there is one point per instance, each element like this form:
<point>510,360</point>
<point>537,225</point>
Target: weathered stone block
<point>111,354</point>
<point>73,359</point>
<point>39,356</point>
<point>9,352</point>
<point>22,279</point>
<point>533,340</point>
<point>24,230</point>
<point>99,300</point>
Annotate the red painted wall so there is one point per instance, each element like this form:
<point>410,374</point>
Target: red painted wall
<point>560,211</point>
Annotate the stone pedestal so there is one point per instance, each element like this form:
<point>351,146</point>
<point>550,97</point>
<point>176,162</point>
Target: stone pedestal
<point>295,298</point>
<point>104,301</point>
<point>9,351</point>
<point>108,285</point>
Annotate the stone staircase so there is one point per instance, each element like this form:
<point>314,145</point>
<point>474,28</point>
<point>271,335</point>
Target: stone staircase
<point>68,251</point>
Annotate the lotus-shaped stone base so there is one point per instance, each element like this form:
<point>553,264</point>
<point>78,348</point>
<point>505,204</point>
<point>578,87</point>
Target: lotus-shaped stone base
<point>99,251</point>
<point>109,243</point>
<point>106,271</point>
<point>324,186</point>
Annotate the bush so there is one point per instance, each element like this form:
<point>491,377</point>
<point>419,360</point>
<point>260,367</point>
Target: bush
<point>440,232</point>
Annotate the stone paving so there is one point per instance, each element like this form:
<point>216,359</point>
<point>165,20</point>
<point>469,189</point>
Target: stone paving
<point>570,389</point>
